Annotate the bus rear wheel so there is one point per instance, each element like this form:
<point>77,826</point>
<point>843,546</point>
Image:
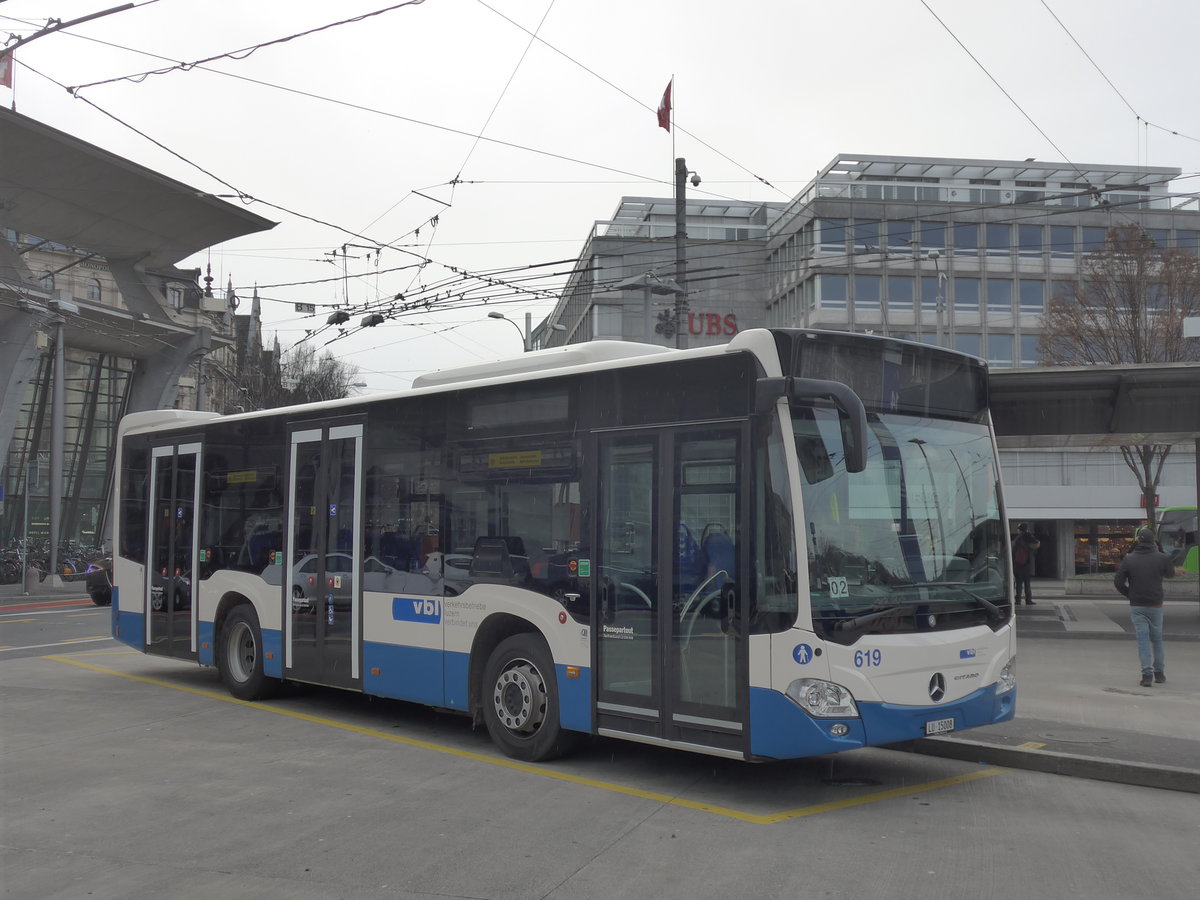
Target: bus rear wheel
<point>240,656</point>
<point>520,700</point>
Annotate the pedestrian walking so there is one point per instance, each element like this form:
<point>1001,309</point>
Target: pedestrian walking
<point>1140,578</point>
<point>1024,553</point>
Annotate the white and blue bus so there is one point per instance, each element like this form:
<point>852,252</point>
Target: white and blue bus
<point>789,545</point>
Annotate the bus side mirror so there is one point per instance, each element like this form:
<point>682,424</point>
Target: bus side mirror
<point>852,415</point>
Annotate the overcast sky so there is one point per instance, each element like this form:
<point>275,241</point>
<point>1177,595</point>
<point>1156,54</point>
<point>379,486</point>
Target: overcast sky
<point>371,126</point>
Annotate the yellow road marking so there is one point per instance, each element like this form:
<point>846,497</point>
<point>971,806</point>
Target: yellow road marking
<point>667,799</point>
<point>1030,745</point>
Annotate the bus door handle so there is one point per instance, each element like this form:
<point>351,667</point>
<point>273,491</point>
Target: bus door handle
<point>607,587</point>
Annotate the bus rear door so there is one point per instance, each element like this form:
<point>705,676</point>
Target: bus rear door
<point>170,586</point>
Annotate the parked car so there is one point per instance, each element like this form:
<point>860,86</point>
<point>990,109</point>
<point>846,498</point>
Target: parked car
<point>339,568</point>
<point>176,589</point>
<point>98,581</point>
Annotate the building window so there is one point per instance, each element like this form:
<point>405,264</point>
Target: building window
<point>1033,296</point>
<point>900,292</point>
<point>1031,354</point>
<point>967,343</point>
<point>966,294</point>
<point>833,235</point>
<point>46,281</point>
<point>1000,350</point>
<point>900,235</point>
<point>966,239</point>
<point>1030,239</point>
<point>866,236</point>
<point>999,239</point>
<point>930,291</point>
<point>1062,241</point>
<point>1159,236</point>
<point>1093,239</point>
<point>1188,242</point>
<point>92,290</point>
<point>933,235</point>
<point>999,297</point>
<point>866,291</point>
<point>833,291</point>
<point>175,296</point>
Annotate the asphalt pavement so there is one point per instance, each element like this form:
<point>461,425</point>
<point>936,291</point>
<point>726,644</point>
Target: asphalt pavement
<point>1080,708</point>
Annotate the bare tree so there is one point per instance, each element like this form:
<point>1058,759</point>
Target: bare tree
<point>299,375</point>
<point>1127,306</point>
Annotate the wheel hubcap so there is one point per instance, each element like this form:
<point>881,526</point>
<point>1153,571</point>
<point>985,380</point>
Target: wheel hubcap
<point>519,697</point>
<point>242,652</point>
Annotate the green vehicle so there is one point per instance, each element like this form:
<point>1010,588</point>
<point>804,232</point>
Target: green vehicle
<point>1177,534</point>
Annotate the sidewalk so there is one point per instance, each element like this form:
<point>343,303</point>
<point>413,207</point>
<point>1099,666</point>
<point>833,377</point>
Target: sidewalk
<point>1080,709</point>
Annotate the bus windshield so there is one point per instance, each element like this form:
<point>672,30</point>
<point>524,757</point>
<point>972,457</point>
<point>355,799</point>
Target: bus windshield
<point>912,543</point>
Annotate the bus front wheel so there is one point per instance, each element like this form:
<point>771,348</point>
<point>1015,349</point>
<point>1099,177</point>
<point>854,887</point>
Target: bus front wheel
<point>520,700</point>
<point>240,659</point>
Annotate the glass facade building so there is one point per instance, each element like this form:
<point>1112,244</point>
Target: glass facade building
<point>963,253</point>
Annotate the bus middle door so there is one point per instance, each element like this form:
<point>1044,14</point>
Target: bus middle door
<point>323,583</point>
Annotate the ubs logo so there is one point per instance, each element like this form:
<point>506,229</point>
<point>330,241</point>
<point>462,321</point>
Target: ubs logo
<point>937,687</point>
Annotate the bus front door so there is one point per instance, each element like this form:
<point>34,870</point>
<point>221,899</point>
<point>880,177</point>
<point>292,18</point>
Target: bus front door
<point>669,644</point>
<point>323,584</point>
<point>170,588</point>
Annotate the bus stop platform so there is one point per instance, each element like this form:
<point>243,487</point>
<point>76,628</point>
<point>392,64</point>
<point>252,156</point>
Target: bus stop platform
<point>1080,709</point>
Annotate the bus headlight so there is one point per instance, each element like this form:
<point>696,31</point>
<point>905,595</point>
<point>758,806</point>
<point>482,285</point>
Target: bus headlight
<point>1008,677</point>
<point>822,699</point>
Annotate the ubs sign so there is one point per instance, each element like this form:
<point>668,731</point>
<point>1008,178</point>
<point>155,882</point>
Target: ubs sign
<point>712,323</point>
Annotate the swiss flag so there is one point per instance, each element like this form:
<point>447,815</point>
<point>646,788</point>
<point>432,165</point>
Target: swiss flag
<point>6,67</point>
<point>664,107</point>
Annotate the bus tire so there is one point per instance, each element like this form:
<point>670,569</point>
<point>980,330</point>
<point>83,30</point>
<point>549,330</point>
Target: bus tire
<point>240,659</point>
<point>519,694</point>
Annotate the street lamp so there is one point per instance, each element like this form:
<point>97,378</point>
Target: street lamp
<point>650,284</point>
<point>527,334</point>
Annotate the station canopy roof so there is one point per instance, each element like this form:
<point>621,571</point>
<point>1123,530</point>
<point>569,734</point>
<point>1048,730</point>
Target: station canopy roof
<point>1092,406</point>
<point>58,187</point>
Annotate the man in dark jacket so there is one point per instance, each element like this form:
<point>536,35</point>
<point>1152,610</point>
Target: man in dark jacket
<point>1140,578</point>
<point>1024,551</point>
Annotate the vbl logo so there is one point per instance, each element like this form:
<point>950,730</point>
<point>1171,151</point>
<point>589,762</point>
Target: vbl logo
<point>413,609</point>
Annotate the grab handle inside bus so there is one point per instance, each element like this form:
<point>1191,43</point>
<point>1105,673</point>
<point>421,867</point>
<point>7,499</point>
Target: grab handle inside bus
<point>851,413</point>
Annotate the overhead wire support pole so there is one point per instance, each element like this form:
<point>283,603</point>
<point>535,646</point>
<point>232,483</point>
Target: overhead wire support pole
<point>59,26</point>
<point>681,310</point>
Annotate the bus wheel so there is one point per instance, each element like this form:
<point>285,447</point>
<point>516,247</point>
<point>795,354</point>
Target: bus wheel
<point>520,700</point>
<point>240,658</point>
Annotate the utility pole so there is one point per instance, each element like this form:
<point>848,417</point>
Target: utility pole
<point>681,304</point>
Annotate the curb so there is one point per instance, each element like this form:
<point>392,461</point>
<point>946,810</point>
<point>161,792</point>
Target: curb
<point>1167,778</point>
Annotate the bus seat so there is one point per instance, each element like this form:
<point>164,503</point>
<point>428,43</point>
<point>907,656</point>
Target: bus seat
<point>491,559</point>
<point>721,554</point>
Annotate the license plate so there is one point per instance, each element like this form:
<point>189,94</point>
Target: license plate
<point>939,726</point>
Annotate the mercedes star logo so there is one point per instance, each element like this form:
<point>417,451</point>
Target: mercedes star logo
<point>937,687</point>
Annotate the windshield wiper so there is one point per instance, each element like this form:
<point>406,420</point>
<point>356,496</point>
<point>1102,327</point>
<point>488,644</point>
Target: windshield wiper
<point>874,615</point>
<point>994,613</point>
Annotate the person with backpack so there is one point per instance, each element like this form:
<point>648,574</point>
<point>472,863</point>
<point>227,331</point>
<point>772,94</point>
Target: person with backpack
<point>1024,549</point>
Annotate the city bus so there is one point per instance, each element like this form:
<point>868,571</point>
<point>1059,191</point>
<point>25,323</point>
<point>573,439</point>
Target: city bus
<point>789,545</point>
<point>1177,534</point>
